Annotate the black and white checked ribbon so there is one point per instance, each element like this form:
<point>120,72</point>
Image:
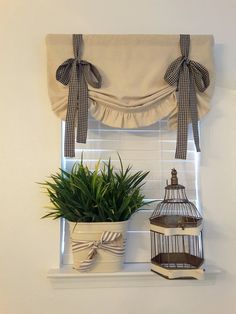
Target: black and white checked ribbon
<point>77,73</point>
<point>106,243</point>
<point>187,75</point>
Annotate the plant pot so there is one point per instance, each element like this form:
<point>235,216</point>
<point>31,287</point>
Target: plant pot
<point>98,246</point>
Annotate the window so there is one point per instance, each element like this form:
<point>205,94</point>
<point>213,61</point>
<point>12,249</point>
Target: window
<point>149,148</point>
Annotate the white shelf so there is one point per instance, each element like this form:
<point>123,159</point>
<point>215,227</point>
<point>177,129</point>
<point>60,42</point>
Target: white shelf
<point>133,275</point>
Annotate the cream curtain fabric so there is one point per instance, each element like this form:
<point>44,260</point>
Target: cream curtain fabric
<point>133,92</point>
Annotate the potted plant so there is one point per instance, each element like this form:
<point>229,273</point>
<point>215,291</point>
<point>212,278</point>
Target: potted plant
<point>97,204</point>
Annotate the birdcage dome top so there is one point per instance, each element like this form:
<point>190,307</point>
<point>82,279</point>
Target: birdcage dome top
<point>176,211</point>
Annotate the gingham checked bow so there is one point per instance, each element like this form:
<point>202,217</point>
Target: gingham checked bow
<point>77,73</point>
<point>185,74</point>
<point>106,243</point>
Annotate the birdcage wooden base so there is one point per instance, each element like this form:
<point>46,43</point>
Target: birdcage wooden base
<point>178,265</point>
<point>179,274</point>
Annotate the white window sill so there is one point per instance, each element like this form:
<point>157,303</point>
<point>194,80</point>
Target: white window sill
<point>133,275</point>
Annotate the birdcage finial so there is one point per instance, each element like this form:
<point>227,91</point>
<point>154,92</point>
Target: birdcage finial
<point>174,178</point>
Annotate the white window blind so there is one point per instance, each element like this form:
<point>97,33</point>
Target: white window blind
<point>149,148</point>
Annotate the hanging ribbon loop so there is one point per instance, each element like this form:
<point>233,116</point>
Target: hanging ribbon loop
<point>187,75</point>
<point>106,242</point>
<point>77,74</point>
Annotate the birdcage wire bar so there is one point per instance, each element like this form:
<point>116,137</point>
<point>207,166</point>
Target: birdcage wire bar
<point>176,252</point>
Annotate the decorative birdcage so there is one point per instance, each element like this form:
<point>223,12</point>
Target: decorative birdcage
<point>176,235</point>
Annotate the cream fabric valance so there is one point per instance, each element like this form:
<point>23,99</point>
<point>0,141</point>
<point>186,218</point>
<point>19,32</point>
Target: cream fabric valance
<point>133,91</point>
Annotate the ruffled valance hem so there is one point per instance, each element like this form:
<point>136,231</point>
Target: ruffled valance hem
<point>133,119</point>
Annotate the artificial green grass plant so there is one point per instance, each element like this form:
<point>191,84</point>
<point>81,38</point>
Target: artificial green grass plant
<point>101,195</point>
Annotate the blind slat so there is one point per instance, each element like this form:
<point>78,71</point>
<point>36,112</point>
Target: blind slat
<point>149,148</point>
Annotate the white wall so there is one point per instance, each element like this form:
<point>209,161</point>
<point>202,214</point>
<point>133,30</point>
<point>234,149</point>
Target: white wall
<point>30,150</point>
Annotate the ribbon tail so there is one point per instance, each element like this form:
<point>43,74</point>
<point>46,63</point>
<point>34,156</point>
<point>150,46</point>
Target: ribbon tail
<point>183,114</point>
<point>69,145</point>
<point>194,112</point>
<point>87,264</point>
<point>82,125</point>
